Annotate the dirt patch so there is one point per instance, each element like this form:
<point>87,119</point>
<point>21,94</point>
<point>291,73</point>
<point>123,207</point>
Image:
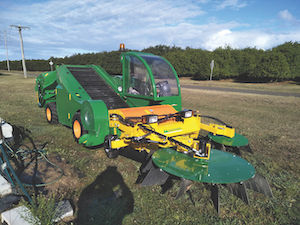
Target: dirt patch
<point>53,176</point>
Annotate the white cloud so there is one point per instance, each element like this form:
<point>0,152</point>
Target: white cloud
<point>234,4</point>
<point>60,28</point>
<point>250,38</point>
<point>286,15</point>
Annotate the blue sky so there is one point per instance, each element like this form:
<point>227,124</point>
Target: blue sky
<point>65,27</point>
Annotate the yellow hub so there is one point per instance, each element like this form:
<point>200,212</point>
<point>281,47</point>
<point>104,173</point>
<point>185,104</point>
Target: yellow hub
<point>48,114</point>
<point>77,129</point>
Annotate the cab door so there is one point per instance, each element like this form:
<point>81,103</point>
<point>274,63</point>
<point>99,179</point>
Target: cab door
<point>138,85</point>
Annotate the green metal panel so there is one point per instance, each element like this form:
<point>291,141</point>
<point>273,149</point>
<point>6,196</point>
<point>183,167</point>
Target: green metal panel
<point>221,168</point>
<point>67,81</point>
<point>61,98</point>
<point>70,95</point>
<point>136,101</point>
<point>94,117</point>
<point>45,80</point>
<point>66,106</point>
<point>237,141</point>
<point>45,87</point>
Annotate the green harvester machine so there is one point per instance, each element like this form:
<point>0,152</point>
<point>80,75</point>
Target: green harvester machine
<point>141,110</point>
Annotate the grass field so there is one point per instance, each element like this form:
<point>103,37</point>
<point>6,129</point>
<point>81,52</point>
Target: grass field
<point>282,87</point>
<point>271,123</point>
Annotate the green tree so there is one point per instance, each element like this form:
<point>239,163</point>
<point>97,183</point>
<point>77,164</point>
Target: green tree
<point>224,63</point>
<point>291,50</point>
<point>273,66</point>
<point>248,59</point>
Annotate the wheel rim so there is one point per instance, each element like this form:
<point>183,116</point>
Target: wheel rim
<point>77,129</point>
<point>48,114</point>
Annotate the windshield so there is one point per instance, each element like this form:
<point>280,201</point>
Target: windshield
<point>139,80</point>
<point>164,77</point>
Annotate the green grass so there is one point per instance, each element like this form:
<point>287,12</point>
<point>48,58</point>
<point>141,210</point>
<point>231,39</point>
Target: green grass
<point>282,87</point>
<point>271,123</point>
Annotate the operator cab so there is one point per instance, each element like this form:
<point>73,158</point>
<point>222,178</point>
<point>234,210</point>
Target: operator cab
<point>147,76</point>
<point>164,77</point>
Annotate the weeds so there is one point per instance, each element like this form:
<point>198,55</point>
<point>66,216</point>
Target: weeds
<point>43,209</point>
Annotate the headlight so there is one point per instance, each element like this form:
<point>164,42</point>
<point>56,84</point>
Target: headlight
<point>187,113</point>
<point>149,119</point>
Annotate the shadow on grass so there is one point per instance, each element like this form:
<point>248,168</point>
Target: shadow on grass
<point>266,80</point>
<point>106,201</point>
<point>297,80</point>
<point>249,80</point>
<point>132,154</point>
<point>4,75</point>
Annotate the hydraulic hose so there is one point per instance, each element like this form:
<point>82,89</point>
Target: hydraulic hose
<point>216,119</point>
<point>22,154</point>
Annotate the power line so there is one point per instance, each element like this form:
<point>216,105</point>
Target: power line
<point>19,27</point>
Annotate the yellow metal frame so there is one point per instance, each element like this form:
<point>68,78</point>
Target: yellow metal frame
<point>185,131</point>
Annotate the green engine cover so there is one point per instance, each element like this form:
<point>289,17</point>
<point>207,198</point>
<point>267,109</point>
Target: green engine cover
<point>221,168</point>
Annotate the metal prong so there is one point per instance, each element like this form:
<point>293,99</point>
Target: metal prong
<point>215,196</point>
<point>259,184</point>
<point>184,186</point>
<point>239,190</point>
<point>155,176</point>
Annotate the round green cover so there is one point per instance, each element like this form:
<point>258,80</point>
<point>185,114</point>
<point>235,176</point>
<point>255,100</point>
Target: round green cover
<point>237,141</point>
<point>221,168</point>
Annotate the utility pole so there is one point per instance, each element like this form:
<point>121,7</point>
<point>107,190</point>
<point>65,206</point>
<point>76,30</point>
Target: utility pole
<point>5,42</point>
<point>211,68</point>
<point>19,27</point>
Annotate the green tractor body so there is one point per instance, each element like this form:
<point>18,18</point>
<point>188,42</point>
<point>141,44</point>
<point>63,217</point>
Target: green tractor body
<point>89,91</point>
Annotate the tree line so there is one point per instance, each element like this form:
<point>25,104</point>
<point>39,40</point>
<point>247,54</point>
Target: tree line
<point>248,64</point>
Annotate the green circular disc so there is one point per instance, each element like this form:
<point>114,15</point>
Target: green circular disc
<point>237,141</point>
<point>221,168</point>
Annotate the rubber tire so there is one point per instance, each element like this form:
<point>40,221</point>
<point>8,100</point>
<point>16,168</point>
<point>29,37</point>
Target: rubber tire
<point>51,113</point>
<point>40,99</point>
<point>77,118</point>
<point>110,153</point>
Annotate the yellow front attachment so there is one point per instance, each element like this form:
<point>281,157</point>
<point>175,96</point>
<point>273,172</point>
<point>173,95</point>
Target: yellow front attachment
<point>218,129</point>
<point>183,130</point>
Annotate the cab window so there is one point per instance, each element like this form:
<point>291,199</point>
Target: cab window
<point>139,82</point>
<point>164,77</point>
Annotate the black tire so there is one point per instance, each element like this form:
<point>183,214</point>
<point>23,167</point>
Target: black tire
<point>110,153</point>
<point>51,113</point>
<point>77,127</point>
<point>40,99</point>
